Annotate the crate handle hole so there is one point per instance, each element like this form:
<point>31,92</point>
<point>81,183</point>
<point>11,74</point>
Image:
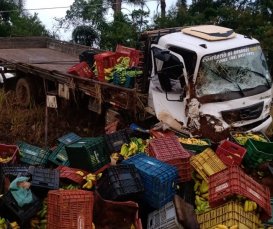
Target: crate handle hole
<point>151,222</point>
<point>234,147</point>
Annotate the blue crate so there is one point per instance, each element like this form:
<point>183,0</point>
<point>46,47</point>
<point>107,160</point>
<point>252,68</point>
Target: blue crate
<point>136,127</point>
<point>159,179</point>
<point>130,81</point>
<point>69,138</point>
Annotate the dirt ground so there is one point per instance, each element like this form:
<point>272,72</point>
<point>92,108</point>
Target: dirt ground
<point>28,124</point>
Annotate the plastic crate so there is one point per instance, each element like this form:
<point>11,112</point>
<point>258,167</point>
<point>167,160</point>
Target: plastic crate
<point>121,182</point>
<point>197,149</point>
<point>43,180</point>
<point>186,191</point>
<point>10,151</point>
<point>70,174</point>
<point>229,214</point>
<point>159,179</point>
<point>33,155</point>
<point>207,163</point>
<point>163,218</point>
<point>130,81</point>
<point>59,156</point>
<point>257,152</point>
<point>169,150</point>
<point>69,138</point>
<point>136,127</point>
<point>229,149</point>
<point>232,139</point>
<point>138,134</point>
<point>111,128</point>
<point>70,209</point>
<point>128,52</point>
<point>11,172</point>
<point>115,140</point>
<point>22,215</point>
<point>89,154</point>
<point>82,70</point>
<point>233,180</point>
<point>161,133</point>
<point>117,80</point>
<point>104,60</point>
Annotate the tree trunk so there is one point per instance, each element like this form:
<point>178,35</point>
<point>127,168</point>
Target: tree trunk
<point>163,8</point>
<point>116,6</point>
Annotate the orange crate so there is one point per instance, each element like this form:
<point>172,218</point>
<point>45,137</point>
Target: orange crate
<point>229,214</point>
<point>104,60</point>
<point>161,133</point>
<point>207,163</point>
<point>70,209</point>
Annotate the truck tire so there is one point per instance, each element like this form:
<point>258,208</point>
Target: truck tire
<point>25,92</point>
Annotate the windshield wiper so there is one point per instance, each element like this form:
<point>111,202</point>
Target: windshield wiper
<point>259,74</point>
<point>229,80</point>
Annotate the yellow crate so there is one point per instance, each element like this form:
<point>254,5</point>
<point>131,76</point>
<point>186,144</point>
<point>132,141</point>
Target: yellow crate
<point>229,214</point>
<point>207,163</point>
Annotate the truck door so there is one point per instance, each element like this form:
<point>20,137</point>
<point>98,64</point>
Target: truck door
<point>167,92</point>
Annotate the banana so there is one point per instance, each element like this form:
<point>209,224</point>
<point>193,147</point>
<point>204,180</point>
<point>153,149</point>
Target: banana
<point>196,185</point>
<point>43,221</point>
<point>198,200</point>
<point>250,206</point>
<point>99,175</point>
<point>205,195</point>
<point>246,206</point>
<point>199,176</point>
<point>222,226</point>
<point>80,173</point>
<point>43,213</point>
<point>35,221</point>
<point>234,227</point>
<point>254,206</point>
<point>2,221</point>
<point>204,187</point>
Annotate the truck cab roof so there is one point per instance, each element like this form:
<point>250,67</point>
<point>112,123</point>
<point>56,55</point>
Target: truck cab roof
<point>204,46</point>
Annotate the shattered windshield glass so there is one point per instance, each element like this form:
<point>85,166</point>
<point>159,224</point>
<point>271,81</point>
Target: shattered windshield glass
<point>233,70</point>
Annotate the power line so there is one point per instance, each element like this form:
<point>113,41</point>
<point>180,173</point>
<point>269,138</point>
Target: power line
<point>65,7</point>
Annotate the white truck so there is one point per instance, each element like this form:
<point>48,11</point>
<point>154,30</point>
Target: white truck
<point>202,81</point>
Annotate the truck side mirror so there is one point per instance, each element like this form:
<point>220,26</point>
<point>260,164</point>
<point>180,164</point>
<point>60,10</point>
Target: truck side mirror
<point>163,55</point>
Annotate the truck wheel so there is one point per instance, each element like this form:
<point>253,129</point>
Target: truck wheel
<point>25,92</point>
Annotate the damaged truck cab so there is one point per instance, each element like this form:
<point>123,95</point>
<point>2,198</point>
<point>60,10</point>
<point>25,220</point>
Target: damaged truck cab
<point>208,81</point>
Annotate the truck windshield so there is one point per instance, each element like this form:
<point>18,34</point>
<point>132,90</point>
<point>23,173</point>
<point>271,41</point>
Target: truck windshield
<point>233,70</point>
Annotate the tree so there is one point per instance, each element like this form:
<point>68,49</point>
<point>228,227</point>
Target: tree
<point>85,35</point>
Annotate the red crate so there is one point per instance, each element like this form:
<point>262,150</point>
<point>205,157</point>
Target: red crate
<point>170,150</point>
<point>233,180</point>
<point>161,133</point>
<point>228,148</point>
<point>82,70</point>
<point>10,151</point>
<point>104,60</point>
<point>128,52</point>
<point>70,173</point>
<point>70,209</point>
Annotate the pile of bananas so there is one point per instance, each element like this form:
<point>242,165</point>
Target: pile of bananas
<point>3,224</point>
<point>201,189</point>
<point>242,138</point>
<point>40,220</point>
<point>5,160</point>
<point>135,146</point>
<point>192,141</point>
<point>115,156</point>
<point>250,206</point>
<point>225,227</point>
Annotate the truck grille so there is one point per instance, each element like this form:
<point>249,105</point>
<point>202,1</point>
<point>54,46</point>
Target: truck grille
<point>243,114</point>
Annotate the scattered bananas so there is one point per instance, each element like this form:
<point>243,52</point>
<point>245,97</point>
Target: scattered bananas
<point>71,187</point>
<point>15,225</point>
<point>80,173</point>
<point>3,224</point>
<point>192,141</point>
<point>250,206</point>
<point>40,219</point>
<point>115,156</point>
<point>5,160</point>
<point>242,138</point>
<point>90,178</point>
<point>135,146</point>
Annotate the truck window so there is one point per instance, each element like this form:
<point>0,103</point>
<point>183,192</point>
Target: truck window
<point>189,57</point>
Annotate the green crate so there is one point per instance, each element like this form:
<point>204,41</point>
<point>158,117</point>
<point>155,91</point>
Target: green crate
<point>197,149</point>
<point>59,156</point>
<point>89,154</point>
<point>257,152</point>
<point>33,155</point>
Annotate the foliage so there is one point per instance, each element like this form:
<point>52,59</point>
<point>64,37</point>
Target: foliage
<point>85,35</point>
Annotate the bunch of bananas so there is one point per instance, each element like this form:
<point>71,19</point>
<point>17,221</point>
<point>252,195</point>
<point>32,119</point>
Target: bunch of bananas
<point>40,220</point>
<point>115,156</point>
<point>201,189</point>
<point>220,226</point>
<point>71,187</point>
<point>91,178</point>
<point>135,146</point>
<point>242,138</point>
<point>15,225</point>
<point>5,160</point>
<point>192,141</point>
<point>3,224</point>
<point>250,206</point>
